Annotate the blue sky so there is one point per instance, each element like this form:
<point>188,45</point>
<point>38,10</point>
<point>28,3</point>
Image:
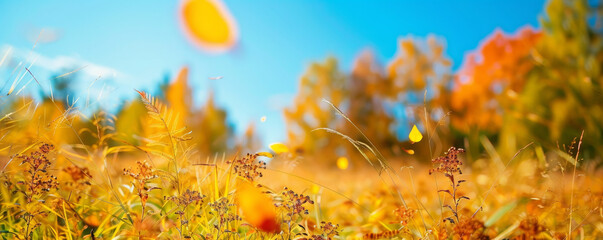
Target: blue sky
<point>134,44</point>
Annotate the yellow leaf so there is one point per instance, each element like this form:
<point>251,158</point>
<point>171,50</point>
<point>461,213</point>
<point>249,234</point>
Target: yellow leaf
<point>209,24</point>
<point>415,136</point>
<point>342,163</point>
<point>265,154</point>
<point>279,148</point>
<point>257,208</point>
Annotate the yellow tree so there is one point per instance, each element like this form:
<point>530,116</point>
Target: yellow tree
<point>419,74</point>
<point>179,97</point>
<point>368,94</point>
<point>212,132</point>
<point>321,81</point>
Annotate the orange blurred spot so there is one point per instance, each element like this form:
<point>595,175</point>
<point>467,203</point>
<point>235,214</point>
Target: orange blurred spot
<point>92,220</point>
<point>342,163</point>
<point>409,151</point>
<point>257,208</point>
<point>209,24</point>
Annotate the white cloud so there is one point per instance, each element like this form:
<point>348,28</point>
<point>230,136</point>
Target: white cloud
<point>60,63</point>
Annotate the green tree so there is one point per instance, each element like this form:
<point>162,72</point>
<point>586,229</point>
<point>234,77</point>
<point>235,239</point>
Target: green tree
<point>563,95</point>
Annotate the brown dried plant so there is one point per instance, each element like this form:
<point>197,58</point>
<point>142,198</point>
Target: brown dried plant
<point>293,205</point>
<point>38,180</point>
<point>247,167</point>
<point>183,203</point>
<point>449,165</point>
<point>328,229</point>
<point>37,183</point>
<point>141,177</point>
<point>222,210</point>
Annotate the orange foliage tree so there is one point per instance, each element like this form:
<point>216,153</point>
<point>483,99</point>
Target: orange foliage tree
<point>490,80</point>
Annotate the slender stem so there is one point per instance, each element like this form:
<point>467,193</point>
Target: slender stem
<point>573,182</point>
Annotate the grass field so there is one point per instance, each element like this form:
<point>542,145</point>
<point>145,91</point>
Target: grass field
<point>505,143</point>
<point>164,190</point>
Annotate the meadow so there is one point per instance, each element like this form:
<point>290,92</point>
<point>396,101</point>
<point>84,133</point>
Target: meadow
<point>507,147</point>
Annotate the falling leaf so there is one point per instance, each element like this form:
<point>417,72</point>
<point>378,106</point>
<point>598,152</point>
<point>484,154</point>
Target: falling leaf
<point>263,119</point>
<point>409,151</point>
<point>279,148</point>
<point>257,208</point>
<point>415,136</point>
<point>265,154</point>
<point>209,24</point>
<point>342,163</point>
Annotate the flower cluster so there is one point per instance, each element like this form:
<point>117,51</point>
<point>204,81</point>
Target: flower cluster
<point>141,176</point>
<point>221,208</point>
<point>328,229</point>
<point>39,180</point>
<point>293,203</point>
<point>247,167</point>
<point>183,201</point>
<point>187,198</point>
<point>448,164</point>
<point>144,172</point>
<point>404,214</point>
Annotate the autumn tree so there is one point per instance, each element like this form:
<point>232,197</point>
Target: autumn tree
<point>211,131</point>
<point>371,95</point>
<point>321,81</point>
<point>485,90</point>
<point>417,75</point>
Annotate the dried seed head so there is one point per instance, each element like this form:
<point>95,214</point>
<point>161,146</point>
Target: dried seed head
<point>247,167</point>
<point>448,164</point>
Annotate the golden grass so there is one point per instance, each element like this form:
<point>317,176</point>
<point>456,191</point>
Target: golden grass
<point>162,190</point>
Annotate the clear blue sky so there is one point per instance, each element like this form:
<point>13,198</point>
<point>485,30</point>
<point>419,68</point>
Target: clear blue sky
<point>142,41</point>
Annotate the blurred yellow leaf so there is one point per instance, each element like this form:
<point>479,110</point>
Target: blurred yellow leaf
<point>279,148</point>
<point>209,24</point>
<point>342,163</point>
<point>409,151</point>
<point>257,208</point>
<point>415,135</point>
<point>265,154</point>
